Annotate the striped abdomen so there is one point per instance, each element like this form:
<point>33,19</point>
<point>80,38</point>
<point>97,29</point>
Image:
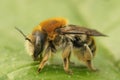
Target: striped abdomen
<point>79,41</point>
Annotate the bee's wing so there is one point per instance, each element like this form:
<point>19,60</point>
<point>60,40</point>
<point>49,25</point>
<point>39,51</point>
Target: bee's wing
<point>74,29</point>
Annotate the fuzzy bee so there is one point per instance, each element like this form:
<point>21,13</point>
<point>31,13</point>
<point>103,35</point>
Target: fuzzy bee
<point>54,34</point>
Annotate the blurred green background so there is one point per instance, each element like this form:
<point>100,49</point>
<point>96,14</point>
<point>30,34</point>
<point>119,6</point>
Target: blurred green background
<point>102,15</point>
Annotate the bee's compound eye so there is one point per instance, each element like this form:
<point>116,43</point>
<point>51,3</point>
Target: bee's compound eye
<point>40,39</point>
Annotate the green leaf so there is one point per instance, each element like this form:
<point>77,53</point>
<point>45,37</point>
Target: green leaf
<point>102,15</point>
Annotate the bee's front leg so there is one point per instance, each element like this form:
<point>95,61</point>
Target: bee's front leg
<point>66,56</point>
<point>44,60</point>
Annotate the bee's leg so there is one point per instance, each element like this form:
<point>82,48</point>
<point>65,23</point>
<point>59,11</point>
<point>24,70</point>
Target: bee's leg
<point>38,58</point>
<point>71,63</point>
<point>90,65</point>
<point>88,55</point>
<point>44,60</point>
<point>65,55</point>
<point>66,64</point>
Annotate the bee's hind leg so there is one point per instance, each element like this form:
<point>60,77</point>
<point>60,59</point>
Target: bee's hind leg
<point>90,65</point>
<point>88,56</point>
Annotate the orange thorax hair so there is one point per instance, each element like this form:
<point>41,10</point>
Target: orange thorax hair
<point>49,26</point>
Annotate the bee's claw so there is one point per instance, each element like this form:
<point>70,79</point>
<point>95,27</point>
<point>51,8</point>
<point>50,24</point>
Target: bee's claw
<point>72,63</point>
<point>95,70</point>
<point>39,70</point>
<point>69,72</point>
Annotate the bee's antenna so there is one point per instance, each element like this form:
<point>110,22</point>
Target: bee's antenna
<point>26,38</point>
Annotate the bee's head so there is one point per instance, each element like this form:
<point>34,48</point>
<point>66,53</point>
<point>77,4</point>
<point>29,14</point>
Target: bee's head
<point>35,44</point>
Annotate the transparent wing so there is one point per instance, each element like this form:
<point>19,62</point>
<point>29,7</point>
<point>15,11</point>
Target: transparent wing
<point>74,29</point>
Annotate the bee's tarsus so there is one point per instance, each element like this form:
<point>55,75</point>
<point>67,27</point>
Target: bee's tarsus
<point>39,70</point>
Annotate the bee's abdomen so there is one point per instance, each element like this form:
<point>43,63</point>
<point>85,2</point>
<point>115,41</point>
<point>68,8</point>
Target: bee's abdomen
<point>79,42</point>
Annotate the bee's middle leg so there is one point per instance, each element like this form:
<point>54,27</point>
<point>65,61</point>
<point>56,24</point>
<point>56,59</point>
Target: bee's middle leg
<point>66,61</point>
<point>71,63</point>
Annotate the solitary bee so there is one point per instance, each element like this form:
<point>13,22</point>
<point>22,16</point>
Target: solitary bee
<point>55,33</point>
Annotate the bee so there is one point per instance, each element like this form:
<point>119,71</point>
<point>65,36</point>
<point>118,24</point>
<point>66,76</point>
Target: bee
<point>54,34</point>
